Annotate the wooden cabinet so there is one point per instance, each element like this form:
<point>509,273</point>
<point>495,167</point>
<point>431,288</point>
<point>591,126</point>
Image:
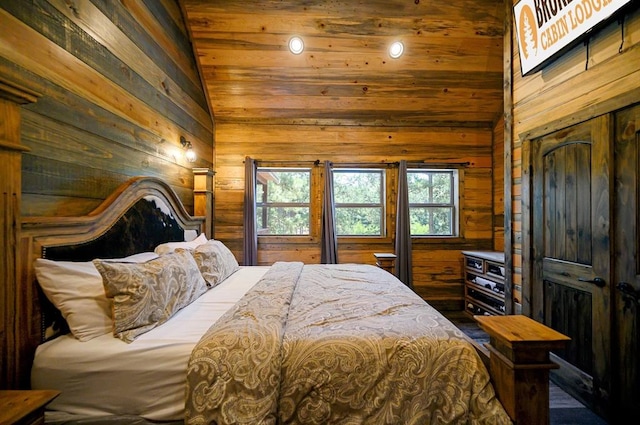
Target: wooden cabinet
<point>24,407</point>
<point>484,282</point>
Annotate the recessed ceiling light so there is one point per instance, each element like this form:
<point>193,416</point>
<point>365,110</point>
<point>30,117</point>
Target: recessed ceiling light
<point>296,45</point>
<point>396,49</point>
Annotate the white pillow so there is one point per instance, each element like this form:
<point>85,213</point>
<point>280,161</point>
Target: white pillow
<point>76,289</point>
<point>172,246</point>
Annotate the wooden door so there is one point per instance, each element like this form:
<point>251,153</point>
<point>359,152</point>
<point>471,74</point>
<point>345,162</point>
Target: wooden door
<point>626,345</point>
<point>571,282</point>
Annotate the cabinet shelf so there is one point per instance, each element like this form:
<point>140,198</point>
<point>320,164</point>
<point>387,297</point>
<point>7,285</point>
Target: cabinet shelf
<point>484,282</point>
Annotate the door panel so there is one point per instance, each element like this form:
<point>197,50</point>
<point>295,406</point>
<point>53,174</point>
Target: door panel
<point>627,263</point>
<point>571,252</point>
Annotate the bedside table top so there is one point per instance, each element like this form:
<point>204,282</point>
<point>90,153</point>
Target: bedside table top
<point>17,404</point>
<point>496,256</point>
<point>384,255</point>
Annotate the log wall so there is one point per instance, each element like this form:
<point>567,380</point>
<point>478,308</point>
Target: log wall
<point>498,185</point>
<point>93,93</point>
<point>437,263</point>
<point>119,86</point>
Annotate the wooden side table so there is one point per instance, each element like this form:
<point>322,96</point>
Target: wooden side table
<point>519,360</point>
<point>24,407</point>
<point>386,261</point>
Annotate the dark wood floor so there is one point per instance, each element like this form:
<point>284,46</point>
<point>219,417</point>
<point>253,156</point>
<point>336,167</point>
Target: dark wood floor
<point>563,409</point>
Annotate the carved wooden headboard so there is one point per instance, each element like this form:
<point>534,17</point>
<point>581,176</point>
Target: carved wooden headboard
<point>139,215</point>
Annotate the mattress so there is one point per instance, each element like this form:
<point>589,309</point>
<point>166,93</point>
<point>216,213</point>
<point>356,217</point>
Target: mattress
<point>145,378</point>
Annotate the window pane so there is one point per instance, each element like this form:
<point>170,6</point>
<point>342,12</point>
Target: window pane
<point>282,201</point>
<point>441,188</point>
<point>284,220</point>
<point>357,187</point>
<point>441,219</point>
<point>419,185</point>
<point>358,221</point>
<point>286,186</point>
<point>429,187</point>
<point>431,221</point>
<point>433,202</point>
<point>359,202</point>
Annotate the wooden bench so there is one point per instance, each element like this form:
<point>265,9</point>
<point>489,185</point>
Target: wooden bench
<point>519,363</point>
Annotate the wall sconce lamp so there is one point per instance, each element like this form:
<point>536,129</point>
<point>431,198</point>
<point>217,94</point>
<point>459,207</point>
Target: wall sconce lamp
<point>190,154</point>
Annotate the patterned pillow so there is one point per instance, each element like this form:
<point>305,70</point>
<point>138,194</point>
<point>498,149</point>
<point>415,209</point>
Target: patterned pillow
<point>215,261</point>
<point>148,294</point>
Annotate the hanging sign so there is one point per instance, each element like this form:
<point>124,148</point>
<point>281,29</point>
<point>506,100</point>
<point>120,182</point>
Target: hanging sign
<point>546,27</point>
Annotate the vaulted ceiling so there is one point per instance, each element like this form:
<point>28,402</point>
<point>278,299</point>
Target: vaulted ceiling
<point>450,74</point>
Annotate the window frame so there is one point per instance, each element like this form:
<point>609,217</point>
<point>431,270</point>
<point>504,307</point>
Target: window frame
<point>263,203</point>
<point>391,176</point>
<point>455,205</point>
<point>383,201</point>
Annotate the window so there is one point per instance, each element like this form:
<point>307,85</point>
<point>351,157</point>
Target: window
<point>282,201</point>
<point>359,200</point>
<point>433,202</point>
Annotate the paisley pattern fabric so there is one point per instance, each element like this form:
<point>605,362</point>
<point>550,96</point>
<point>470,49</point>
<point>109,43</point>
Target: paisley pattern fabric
<point>215,261</point>
<point>336,344</point>
<point>145,295</point>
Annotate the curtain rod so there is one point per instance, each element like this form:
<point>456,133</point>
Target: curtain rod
<point>370,164</point>
<point>441,164</point>
<point>276,161</point>
<point>409,163</point>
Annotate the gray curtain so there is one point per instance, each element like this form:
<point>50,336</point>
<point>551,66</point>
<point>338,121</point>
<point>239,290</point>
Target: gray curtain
<point>403,229</point>
<point>250,240</point>
<point>329,242</point>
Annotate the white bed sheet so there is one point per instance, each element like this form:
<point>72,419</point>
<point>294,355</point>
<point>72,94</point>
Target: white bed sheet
<point>106,376</point>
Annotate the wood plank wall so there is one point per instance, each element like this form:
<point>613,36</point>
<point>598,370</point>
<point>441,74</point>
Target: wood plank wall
<point>119,86</point>
<point>589,80</point>
<point>498,185</point>
<point>437,264</point>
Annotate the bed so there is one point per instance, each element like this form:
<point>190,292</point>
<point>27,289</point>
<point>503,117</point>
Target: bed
<point>287,343</point>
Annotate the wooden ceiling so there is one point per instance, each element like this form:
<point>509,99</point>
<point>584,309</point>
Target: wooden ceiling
<point>451,73</point>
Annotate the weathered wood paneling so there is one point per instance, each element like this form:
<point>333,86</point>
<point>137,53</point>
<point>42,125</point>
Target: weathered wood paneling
<point>498,185</point>
<point>437,264</point>
<point>116,87</point>
<point>450,73</point>
<point>344,99</point>
<point>119,87</point>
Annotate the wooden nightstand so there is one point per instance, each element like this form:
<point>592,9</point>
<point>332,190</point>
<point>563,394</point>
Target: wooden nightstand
<point>24,407</point>
<point>385,261</point>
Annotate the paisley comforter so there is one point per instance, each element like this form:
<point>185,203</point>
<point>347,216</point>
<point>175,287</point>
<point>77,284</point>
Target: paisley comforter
<point>336,344</point>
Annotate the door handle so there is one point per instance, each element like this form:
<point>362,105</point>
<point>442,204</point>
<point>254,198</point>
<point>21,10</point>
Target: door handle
<point>629,291</point>
<point>598,281</point>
